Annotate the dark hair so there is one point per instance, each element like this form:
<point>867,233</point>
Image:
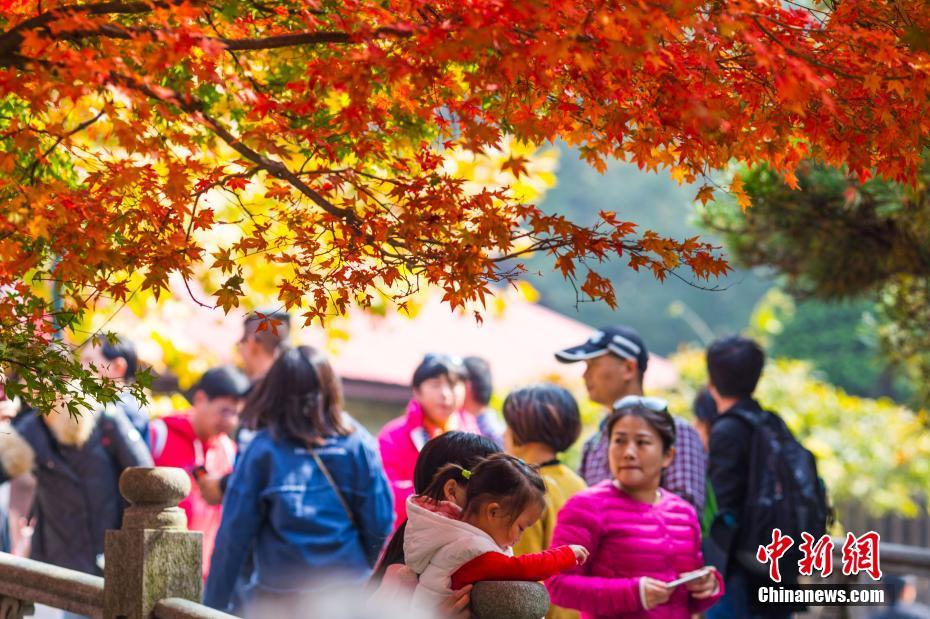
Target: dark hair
<point>121,348</point>
<point>224,381</point>
<point>479,377</point>
<point>545,414</point>
<point>434,365</point>
<point>500,478</point>
<point>735,364</point>
<point>300,399</point>
<point>660,421</point>
<point>705,408</point>
<point>462,448</point>
<point>270,328</point>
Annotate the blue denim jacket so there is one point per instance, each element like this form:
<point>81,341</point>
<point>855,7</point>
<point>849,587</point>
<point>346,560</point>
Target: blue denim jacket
<point>280,502</point>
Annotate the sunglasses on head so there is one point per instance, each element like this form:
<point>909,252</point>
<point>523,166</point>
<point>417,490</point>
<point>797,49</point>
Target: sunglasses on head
<point>638,401</point>
<point>432,357</point>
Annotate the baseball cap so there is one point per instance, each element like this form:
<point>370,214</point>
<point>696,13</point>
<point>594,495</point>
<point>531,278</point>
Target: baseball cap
<point>620,340</point>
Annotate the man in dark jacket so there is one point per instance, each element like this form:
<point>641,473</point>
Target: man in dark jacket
<point>734,366</point>
<point>77,464</point>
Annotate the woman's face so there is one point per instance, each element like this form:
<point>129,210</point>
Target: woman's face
<point>440,396</point>
<point>635,454</point>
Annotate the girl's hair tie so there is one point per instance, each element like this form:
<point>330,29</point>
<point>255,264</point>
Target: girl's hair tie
<point>466,474</point>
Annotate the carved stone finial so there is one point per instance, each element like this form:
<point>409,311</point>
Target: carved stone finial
<point>154,494</point>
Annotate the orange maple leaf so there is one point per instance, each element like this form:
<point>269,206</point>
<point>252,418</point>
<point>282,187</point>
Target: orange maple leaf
<point>705,194</point>
<point>516,166</point>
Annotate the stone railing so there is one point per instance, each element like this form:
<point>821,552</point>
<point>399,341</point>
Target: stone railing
<point>24,582</point>
<point>152,567</point>
<point>152,564</point>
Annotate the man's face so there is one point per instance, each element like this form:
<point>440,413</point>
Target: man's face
<point>608,378</point>
<point>211,418</point>
<point>249,352</point>
<point>92,358</point>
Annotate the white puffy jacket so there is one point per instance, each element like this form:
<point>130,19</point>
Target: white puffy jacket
<point>435,546</point>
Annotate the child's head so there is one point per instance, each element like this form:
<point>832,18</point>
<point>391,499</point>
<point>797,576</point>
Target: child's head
<point>504,495</point>
<point>463,449</point>
<point>546,414</point>
<point>642,435</point>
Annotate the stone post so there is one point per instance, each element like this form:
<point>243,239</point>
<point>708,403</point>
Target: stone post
<point>509,600</point>
<point>153,556</point>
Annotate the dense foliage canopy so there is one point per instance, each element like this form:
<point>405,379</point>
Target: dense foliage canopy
<point>328,123</point>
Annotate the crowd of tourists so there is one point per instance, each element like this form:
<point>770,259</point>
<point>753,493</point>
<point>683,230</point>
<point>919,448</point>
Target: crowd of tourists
<point>292,494</point>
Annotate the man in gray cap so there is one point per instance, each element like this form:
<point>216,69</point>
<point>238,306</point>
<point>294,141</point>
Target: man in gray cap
<point>615,364</point>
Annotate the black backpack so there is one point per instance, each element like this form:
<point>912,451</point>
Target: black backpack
<point>783,491</point>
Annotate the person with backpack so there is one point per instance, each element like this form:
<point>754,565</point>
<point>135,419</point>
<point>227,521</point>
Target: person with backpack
<point>762,479</point>
<point>198,441</point>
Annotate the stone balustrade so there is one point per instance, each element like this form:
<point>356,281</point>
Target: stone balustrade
<point>24,582</point>
<point>152,567</point>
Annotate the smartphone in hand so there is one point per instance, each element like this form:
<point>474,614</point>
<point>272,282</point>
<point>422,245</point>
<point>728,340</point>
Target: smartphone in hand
<point>697,575</point>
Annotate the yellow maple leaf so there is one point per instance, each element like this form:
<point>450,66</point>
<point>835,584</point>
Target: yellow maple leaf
<point>742,198</point>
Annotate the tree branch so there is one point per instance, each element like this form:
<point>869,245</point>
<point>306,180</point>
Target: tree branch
<point>11,39</point>
<point>84,125</point>
<point>276,169</point>
<point>294,39</point>
<point>309,38</point>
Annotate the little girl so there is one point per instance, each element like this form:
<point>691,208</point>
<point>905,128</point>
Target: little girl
<point>642,537</point>
<point>451,547</point>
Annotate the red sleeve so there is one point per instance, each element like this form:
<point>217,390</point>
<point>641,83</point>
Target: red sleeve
<point>498,566</point>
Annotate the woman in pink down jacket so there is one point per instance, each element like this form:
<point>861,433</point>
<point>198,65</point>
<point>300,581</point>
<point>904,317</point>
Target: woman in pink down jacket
<point>641,537</point>
<point>436,408</point>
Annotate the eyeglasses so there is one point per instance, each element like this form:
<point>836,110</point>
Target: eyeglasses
<point>654,404</point>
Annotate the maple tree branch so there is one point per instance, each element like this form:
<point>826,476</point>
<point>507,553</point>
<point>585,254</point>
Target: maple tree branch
<point>294,39</point>
<point>84,125</point>
<point>791,52</point>
<point>307,38</point>
<point>276,169</point>
<point>12,38</point>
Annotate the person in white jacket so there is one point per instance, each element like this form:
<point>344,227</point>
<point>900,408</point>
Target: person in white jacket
<point>450,547</point>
